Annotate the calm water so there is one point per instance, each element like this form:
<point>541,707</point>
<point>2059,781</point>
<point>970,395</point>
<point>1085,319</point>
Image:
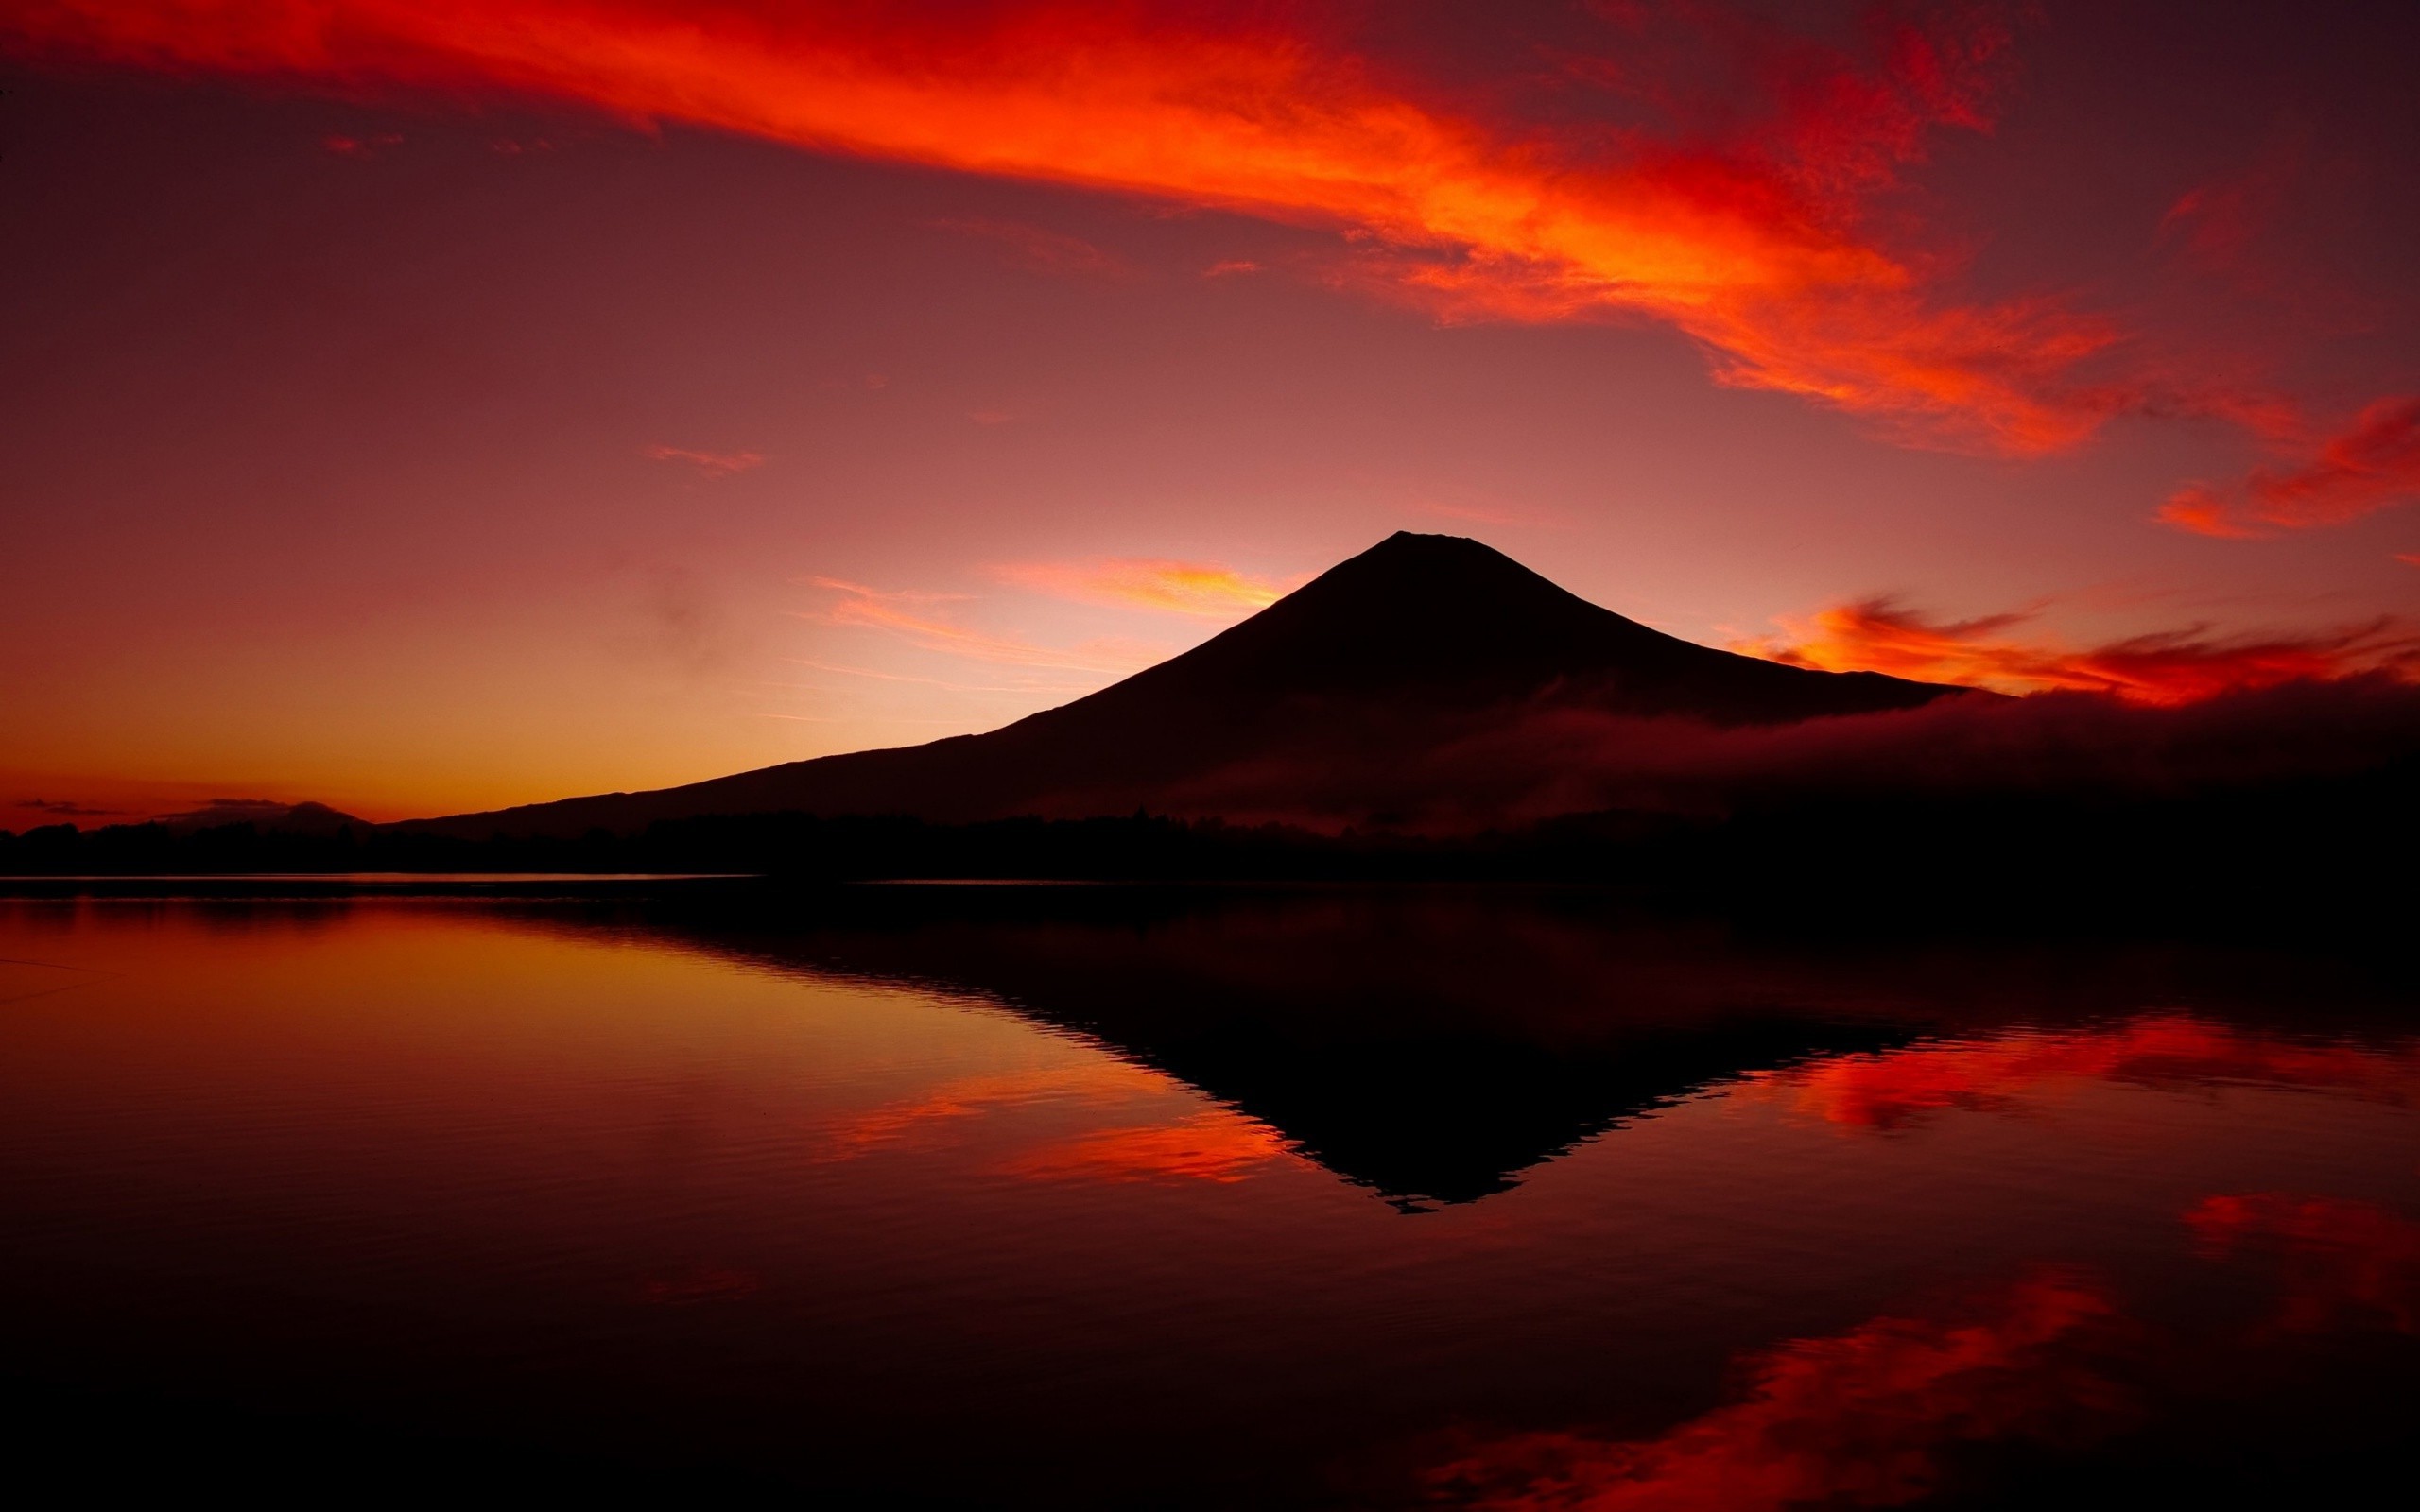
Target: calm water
<point>1085,1197</point>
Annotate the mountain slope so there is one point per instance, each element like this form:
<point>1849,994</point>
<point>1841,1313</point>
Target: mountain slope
<point>1400,648</point>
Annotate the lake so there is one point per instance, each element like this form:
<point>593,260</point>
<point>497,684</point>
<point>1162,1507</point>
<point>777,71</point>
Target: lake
<point>1101,1197</point>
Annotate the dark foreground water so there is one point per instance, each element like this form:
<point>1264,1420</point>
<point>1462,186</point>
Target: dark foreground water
<point>1079,1197</point>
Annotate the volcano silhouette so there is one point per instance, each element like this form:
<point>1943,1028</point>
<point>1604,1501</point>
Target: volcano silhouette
<point>1394,650</point>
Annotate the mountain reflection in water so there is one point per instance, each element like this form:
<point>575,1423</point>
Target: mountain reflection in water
<point>1434,1044</point>
<point>1110,1196</point>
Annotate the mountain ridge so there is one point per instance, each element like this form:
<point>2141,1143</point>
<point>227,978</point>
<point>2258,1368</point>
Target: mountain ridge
<point>1419,636</point>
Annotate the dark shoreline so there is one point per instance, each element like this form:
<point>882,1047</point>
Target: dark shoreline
<point>2328,863</point>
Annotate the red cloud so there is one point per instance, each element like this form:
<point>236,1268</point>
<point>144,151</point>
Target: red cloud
<point>1896,1087</point>
<point>2170,668</point>
<point>1868,1417</point>
<point>2373,463</point>
<point>2197,508</point>
<point>2337,1254</point>
<point>1752,241</point>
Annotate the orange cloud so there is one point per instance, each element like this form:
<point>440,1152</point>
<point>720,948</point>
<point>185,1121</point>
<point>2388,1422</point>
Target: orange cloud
<point>1213,1146</point>
<point>2371,464</point>
<point>2170,668</point>
<point>2338,1254</point>
<point>1149,582</point>
<point>1896,1087</point>
<point>1756,247</point>
<point>872,609</point>
<point>710,464</point>
<point>1868,1417</point>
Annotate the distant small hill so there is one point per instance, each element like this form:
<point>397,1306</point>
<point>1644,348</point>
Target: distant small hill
<point>1418,639</point>
<point>267,815</point>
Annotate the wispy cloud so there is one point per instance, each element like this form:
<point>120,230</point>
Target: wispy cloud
<point>2373,463</point>
<point>906,616</point>
<point>709,464</point>
<point>66,809</point>
<point>2169,667</point>
<point>2198,509</point>
<point>232,811</point>
<point>2212,225</point>
<point>1201,588</point>
<point>1757,243</point>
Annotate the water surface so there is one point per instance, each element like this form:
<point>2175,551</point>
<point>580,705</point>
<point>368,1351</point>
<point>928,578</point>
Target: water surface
<point>1107,1197</point>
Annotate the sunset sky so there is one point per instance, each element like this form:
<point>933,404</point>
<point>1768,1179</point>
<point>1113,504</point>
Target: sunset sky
<point>418,406</point>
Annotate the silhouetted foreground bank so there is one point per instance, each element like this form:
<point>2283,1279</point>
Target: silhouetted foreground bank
<point>2333,854</point>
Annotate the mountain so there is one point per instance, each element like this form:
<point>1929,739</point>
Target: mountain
<point>1430,1046</point>
<point>1416,641</point>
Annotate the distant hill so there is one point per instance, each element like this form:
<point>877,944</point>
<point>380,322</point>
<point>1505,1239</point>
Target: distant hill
<point>1416,640</point>
<point>265,815</point>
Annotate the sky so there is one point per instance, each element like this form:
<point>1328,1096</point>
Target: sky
<point>419,406</point>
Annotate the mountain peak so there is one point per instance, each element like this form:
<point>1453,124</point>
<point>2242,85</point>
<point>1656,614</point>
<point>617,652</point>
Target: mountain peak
<point>1419,639</point>
<point>1427,575</point>
<point>1446,614</point>
<point>1414,551</point>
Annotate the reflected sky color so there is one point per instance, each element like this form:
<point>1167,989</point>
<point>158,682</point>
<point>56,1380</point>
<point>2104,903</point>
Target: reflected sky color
<point>1857,1419</point>
<point>947,1110</point>
<point>540,1176</point>
<point>1868,1417</point>
<point>1217,1146</point>
<point>2029,1069</point>
<point>2338,1256</point>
